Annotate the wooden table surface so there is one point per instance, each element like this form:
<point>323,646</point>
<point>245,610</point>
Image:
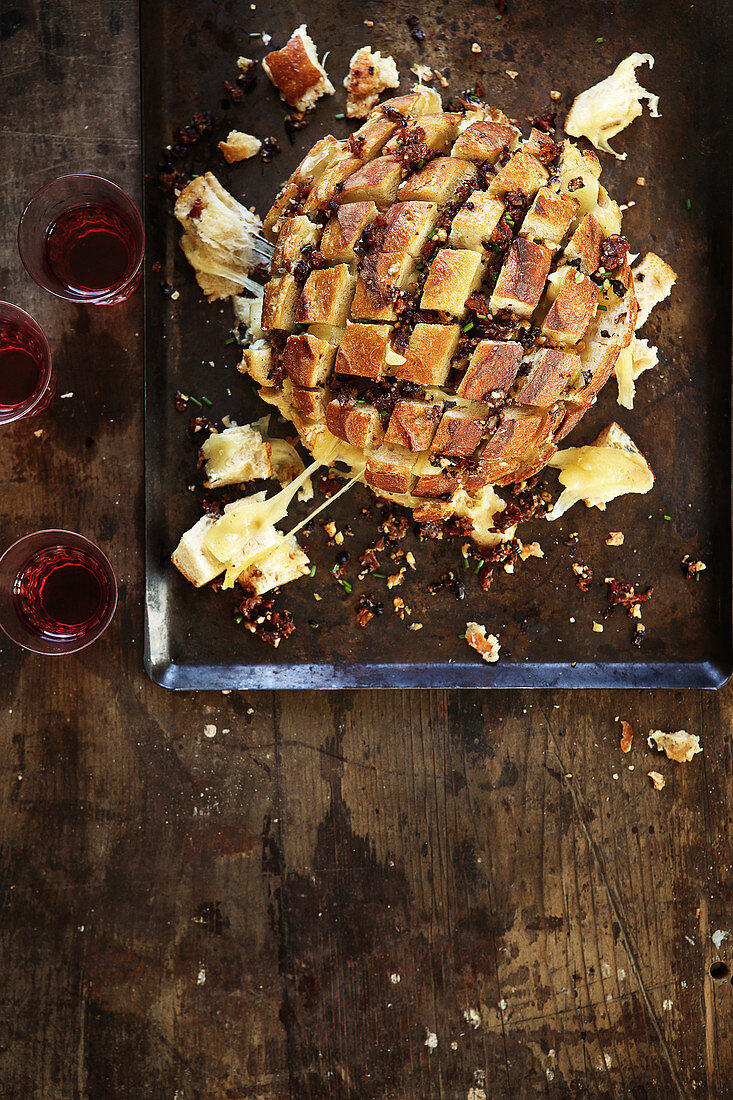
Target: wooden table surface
<point>466,896</point>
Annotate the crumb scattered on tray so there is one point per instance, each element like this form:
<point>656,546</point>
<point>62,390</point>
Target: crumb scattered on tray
<point>615,538</point>
<point>627,736</point>
<point>692,568</point>
<point>601,112</point>
<point>583,575</point>
<point>369,75</point>
<point>657,779</point>
<point>296,71</point>
<point>485,644</point>
<point>680,746</point>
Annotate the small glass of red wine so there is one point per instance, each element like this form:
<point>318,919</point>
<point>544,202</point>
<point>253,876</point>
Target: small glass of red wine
<point>26,373</point>
<point>82,238</point>
<point>57,592</point>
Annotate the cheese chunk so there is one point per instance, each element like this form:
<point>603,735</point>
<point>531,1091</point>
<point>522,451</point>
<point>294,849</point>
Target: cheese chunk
<point>610,467</point>
<point>601,112</point>
<point>633,361</point>
<point>653,282</point>
<point>235,455</point>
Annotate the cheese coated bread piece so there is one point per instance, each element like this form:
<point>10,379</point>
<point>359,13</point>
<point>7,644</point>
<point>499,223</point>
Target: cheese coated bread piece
<point>429,354</point>
<point>572,310</point>
<point>653,282</point>
<point>359,425</point>
<point>280,303</point>
<point>363,350</point>
<point>297,233</point>
<point>522,173</point>
<point>522,278</point>
<point>326,297</point>
<point>369,75</point>
<point>344,230</point>
<point>308,360</point>
<point>296,71</point>
<point>437,181</point>
<point>549,218</point>
<point>454,274</point>
<point>412,424</point>
<point>235,455</point>
<point>377,181</point>
<point>475,222</point>
<point>408,225</point>
<point>483,141</point>
<point>379,284</point>
<point>491,372</point>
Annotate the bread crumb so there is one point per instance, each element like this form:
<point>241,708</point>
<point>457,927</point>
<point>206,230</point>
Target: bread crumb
<point>511,73</point>
<point>627,735</point>
<point>485,644</point>
<point>597,627</point>
<point>440,78</point>
<point>296,71</point>
<point>369,75</point>
<point>239,146</point>
<point>368,22</point>
<point>410,559</point>
<point>395,580</point>
<point>531,550</point>
<point>39,433</point>
<point>415,626</point>
<point>640,181</point>
<point>680,746</point>
<point>615,538</point>
<point>423,73</point>
<point>554,94</point>
<point>657,779</point>
<point>475,48</point>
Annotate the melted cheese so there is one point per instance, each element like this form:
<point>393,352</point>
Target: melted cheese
<point>633,361</point>
<point>604,110</point>
<point>598,474</point>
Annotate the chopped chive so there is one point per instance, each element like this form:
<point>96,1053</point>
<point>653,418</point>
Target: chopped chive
<point>468,327</point>
<point>603,309</point>
<point>420,266</point>
<point>346,587</point>
<point>255,34</point>
<point>498,20</point>
<point>599,40</point>
<point>420,163</point>
<point>697,576</point>
<point>466,562</point>
<point>666,517</point>
<point>335,569</point>
<point>578,276</point>
<point>239,619</point>
<point>230,340</point>
<point>381,576</point>
<point>478,567</point>
<point>509,220</point>
<point>196,401</point>
<point>206,401</point>
<point>463,635</point>
<point>432,233</point>
<point>340,115</point>
<point>312,625</point>
<point>688,204</point>
<point>481,317</point>
<point>312,572</point>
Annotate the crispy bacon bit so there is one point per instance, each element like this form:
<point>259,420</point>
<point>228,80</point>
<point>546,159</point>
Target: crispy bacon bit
<point>544,122</point>
<point>613,251</point>
<point>525,501</point>
<point>583,575</point>
<point>200,426</point>
<point>369,560</point>
<point>329,485</point>
<point>294,123</point>
<point>506,553</point>
<point>259,615</point>
<point>692,568</point>
<point>368,607</point>
<point>622,594</point>
<point>235,94</point>
<point>181,400</point>
<point>196,210</point>
<point>395,522</point>
<point>627,736</point>
<point>548,151</point>
<point>576,184</point>
<point>356,145</point>
<point>270,146</point>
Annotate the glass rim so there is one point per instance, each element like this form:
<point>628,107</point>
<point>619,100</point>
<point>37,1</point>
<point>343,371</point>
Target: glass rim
<point>20,411</point>
<point>75,646</point>
<point>91,297</point>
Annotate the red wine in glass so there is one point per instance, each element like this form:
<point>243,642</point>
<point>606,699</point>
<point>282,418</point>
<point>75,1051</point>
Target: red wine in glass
<point>62,593</point>
<point>26,375</point>
<point>92,248</point>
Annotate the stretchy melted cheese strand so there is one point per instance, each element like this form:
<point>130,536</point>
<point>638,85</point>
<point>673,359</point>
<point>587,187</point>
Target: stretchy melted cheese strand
<point>243,565</point>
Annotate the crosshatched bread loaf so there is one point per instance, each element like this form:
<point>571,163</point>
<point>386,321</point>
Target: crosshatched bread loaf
<point>447,298</point>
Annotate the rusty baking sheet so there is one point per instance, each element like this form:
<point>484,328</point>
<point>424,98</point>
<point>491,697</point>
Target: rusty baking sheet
<point>682,413</point>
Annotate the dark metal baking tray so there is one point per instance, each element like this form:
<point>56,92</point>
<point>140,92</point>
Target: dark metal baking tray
<point>682,413</point>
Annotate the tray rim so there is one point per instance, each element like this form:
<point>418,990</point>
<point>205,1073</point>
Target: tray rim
<point>172,675</point>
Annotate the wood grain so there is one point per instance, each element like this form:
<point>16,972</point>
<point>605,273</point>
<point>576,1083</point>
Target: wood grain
<point>405,895</point>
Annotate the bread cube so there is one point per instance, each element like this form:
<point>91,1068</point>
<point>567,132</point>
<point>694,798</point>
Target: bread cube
<point>429,354</point>
<point>377,286</point>
<point>408,226</point>
<point>475,221</point>
<point>344,230</point>
<point>454,274</point>
<point>359,425</point>
<point>412,424</point>
<point>549,218</point>
<point>390,468</point>
<point>485,141</point>
<point>295,233</point>
<point>371,138</point>
<point>522,173</point>
<point>309,403</point>
<point>511,437</point>
<point>308,361</point>
<point>439,481</point>
<point>572,309</point>
<point>296,71</point>
<point>421,101</point>
<point>459,432</point>
<point>280,304</point>
<point>326,297</point>
<point>369,75</point>
<point>378,181</point>
<point>522,278</point>
<point>550,371</point>
<point>191,558</point>
<point>435,131</point>
<point>585,245</point>
<point>235,455</point>
<point>257,363</point>
<point>492,370</point>
<point>322,192</point>
<point>437,181</point>
<point>362,351</point>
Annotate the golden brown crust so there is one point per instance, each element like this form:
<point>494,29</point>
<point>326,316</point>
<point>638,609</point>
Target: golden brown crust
<point>572,310</point>
<point>280,304</point>
<point>412,424</point>
<point>522,278</point>
<point>390,468</point>
<point>485,141</point>
<point>459,433</point>
<point>454,274</point>
<point>549,217</point>
<point>344,230</point>
<point>550,371</point>
<point>476,221</point>
<point>491,371</point>
<point>376,292</point>
<point>308,361</point>
<point>292,70</point>
<point>437,181</point>
<point>522,173</point>
<point>377,180</point>
<point>359,425</point>
<point>326,297</point>
<point>429,353</point>
<point>408,225</point>
<point>362,350</point>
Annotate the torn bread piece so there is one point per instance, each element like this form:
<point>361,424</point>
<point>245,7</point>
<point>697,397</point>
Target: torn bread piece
<point>653,282</point>
<point>369,75</point>
<point>633,361</point>
<point>222,240</point>
<point>239,146</point>
<point>191,558</point>
<point>235,455</point>
<point>601,112</point>
<point>296,71</point>
<point>485,644</point>
<point>680,746</point>
<point>609,467</point>
<point>286,462</point>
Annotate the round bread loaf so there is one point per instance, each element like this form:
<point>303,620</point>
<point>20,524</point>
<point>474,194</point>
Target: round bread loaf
<point>446,300</point>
